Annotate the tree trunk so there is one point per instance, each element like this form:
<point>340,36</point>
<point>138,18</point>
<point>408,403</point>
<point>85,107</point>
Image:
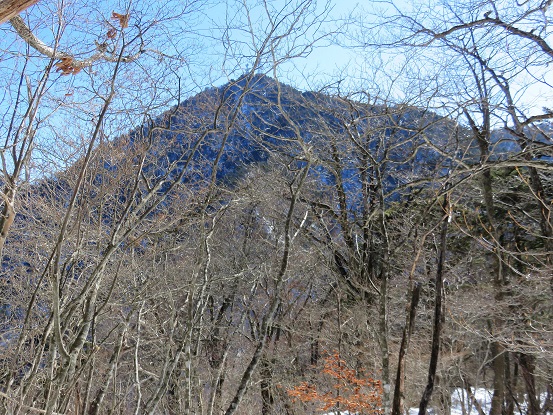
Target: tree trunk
<point>472,399</point>
<point>528,366</point>
<point>383,340</point>
<point>399,390</point>
<point>438,312</point>
<point>499,379</point>
<point>510,395</point>
<point>266,387</point>
<point>548,404</point>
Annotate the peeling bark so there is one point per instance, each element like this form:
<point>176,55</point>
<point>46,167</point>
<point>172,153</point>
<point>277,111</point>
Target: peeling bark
<point>102,54</point>
<point>7,218</point>
<point>11,8</point>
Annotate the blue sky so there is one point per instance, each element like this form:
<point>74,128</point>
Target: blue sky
<point>214,45</point>
<point>209,61</point>
<point>325,59</point>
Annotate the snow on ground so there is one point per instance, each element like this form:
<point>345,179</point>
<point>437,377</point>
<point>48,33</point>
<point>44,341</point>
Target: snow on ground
<point>459,401</point>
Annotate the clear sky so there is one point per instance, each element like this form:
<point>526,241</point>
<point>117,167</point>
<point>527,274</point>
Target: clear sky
<point>212,43</point>
<point>222,46</point>
<point>325,58</point>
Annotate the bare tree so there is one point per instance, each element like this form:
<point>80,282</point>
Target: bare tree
<point>496,55</point>
<point>123,261</point>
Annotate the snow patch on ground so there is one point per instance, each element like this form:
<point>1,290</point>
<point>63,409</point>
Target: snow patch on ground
<point>460,400</point>
<point>461,404</point>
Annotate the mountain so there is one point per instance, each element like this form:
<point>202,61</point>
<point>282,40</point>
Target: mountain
<point>222,131</point>
<point>214,256</point>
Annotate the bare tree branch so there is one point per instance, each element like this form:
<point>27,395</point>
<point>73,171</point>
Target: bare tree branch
<point>68,63</point>
<point>11,8</point>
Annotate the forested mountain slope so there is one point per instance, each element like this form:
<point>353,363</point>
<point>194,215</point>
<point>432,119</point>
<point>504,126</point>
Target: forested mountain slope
<point>219,255</point>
